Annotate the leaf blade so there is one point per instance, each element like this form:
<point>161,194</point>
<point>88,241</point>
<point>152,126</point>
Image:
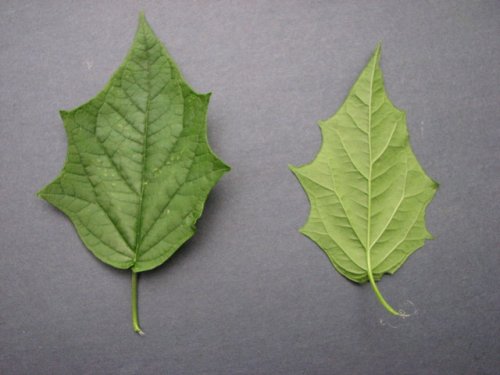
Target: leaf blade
<point>138,168</point>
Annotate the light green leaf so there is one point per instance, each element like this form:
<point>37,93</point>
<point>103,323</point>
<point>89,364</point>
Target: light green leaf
<point>368,193</point>
<point>138,167</point>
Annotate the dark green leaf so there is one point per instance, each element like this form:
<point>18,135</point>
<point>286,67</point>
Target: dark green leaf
<point>138,168</point>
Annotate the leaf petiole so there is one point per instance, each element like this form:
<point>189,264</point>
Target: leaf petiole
<point>381,298</point>
<point>379,295</point>
<point>135,318</point>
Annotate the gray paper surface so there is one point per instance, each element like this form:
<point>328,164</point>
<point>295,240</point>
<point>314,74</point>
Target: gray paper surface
<point>248,294</point>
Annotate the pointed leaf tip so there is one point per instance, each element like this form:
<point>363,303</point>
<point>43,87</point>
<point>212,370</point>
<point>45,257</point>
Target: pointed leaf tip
<point>143,24</point>
<point>377,52</point>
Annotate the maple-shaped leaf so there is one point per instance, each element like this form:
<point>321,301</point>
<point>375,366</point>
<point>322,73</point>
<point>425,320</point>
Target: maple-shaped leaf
<point>367,191</point>
<point>138,167</point>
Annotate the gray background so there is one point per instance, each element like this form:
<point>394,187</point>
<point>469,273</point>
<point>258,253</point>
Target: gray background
<point>249,294</point>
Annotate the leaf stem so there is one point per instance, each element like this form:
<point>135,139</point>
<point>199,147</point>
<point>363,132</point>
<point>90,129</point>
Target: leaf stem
<point>375,288</point>
<point>135,319</point>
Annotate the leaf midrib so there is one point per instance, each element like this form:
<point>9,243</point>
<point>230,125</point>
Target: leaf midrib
<point>144,151</point>
<point>370,164</point>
